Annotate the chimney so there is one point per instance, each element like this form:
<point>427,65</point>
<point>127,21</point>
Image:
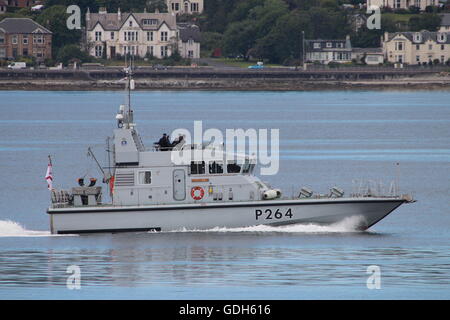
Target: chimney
<point>102,10</point>
<point>119,14</point>
<point>88,14</point>
<point>348,44</point>
<point>156,10</point>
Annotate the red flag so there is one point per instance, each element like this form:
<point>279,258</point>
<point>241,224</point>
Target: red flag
<point>49,176</point>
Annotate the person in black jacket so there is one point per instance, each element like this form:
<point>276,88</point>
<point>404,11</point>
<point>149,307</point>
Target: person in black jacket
<point>164,143</point>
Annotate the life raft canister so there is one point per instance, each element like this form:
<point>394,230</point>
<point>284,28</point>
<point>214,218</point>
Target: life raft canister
<point>111,185</point>
<point>197,193</point>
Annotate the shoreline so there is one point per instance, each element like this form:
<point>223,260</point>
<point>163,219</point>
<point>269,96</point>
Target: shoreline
<point>429,83</point>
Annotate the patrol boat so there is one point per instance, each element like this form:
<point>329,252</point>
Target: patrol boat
<point>151,192</point>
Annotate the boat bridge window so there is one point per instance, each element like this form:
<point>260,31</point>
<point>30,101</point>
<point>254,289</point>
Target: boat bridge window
<point>233,167</point>
<point>215,167</point>
<point>197,167</point>
<point>145,177</point>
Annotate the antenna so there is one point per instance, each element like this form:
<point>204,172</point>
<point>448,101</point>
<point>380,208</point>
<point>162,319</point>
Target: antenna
<point>129,86</point>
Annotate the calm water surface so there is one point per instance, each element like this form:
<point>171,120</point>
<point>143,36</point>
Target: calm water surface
<point>327,139</point>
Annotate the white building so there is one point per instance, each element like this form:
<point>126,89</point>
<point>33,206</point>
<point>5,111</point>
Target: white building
<point>185,6</point>
<point>370,56</point>
<point>417,47</point>
<point>402,4</point>
<point>140,34</point>
<point>326,51</point>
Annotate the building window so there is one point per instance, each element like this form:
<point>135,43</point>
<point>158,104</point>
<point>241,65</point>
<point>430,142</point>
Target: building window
<point>98,51</point>
<point>112,35</point>
<point>399,46</point>
<point>190,42</point>
<point>25,39</point>
<point>400,58</point>
<point>150,36</point>
<point>38,39</point>
<point>2,52</point>
<point>417,46</point>
<point>149,22</point>
<point>131,36</point>
<point>145,177</point>
<point>442,59</point>
<point>14,39</point>
<point>442,47</point>
<point>190,54</point>
<point>164,35</point>
<point>2,38</point>
<point>130,23</point>
<point>417,37</point>
<point>194,7</point>
<point>98,36</point>
<point>430,47</point>
<point>131,50</point>
<point>25,52</point>
<point>418,59</point>
<point>164,51</point>
<point>316,45</point>
<point>150,50</point>
<point>175,7</point>
<point>329,45</point>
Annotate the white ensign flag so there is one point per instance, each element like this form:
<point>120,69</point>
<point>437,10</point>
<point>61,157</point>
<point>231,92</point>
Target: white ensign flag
<point>49,176</point>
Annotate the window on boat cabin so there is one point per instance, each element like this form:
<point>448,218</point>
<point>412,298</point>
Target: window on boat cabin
<point>215,167</point>
<point>145,177</point>
<point>233,167</point>
<point>197,167</point>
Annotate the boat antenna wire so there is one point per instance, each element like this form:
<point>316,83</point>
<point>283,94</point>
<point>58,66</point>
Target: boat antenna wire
<point>91,154</point>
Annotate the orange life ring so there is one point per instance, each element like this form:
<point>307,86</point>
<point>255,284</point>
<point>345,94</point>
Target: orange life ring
<point>195,195</point>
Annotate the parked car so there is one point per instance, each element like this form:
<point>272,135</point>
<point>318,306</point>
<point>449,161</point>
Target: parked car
<point>258,65</point>
<point>17,65</point>
<point>159,67</point>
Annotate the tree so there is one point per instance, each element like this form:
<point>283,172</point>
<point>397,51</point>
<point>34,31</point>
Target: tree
<point>425,21</point>
<point>70,52</point>
<point>54,18</point>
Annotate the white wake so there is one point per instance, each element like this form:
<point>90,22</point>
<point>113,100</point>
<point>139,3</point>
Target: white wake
<point>351,224</point>
<point>13,229</point>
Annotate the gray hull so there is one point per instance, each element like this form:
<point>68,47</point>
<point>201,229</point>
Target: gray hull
<point>78,220</point>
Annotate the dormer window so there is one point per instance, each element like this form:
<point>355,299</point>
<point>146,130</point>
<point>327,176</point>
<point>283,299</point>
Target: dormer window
<point>442,37</point>
<point>149,22</point>
<point>417,37</point>
<point>316,45</point>
<point>329,45</point>
<point>131,23</point>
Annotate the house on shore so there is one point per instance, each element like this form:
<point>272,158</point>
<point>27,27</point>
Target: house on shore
<point>402,4</point>
<point>140,34</point>
<point>185,6</point>
<point>23,37</point>
<point>416,47</point>
<point>326,51</point>
<point>369,56</point>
